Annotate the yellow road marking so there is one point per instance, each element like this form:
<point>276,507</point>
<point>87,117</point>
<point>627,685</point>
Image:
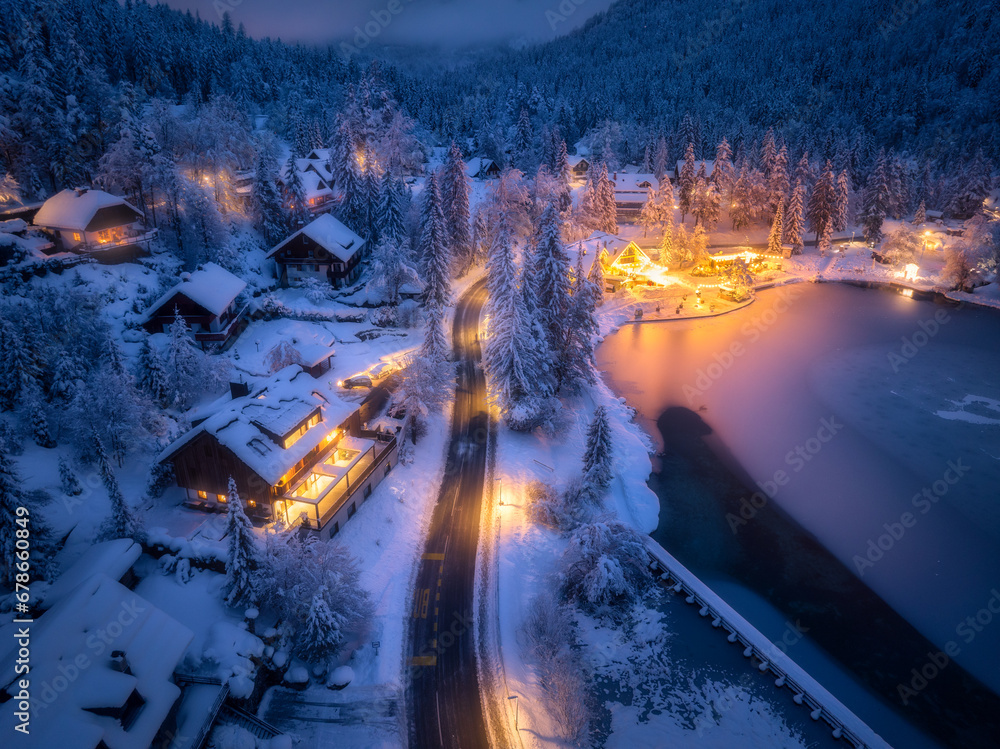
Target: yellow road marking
<point>439,582</point>
<point>424,660</point>
<point>435,626</point>
<point>434,557</point>
<point>434,643</point>
<point>435,611</point>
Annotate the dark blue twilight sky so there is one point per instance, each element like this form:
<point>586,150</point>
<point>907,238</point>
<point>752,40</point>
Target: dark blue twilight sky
<point>452,23</point>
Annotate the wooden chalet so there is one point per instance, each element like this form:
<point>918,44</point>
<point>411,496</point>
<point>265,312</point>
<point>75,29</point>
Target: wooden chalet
<point>91,221</point>
<point>298,453</point>
<point>631,192</point>
<point>208,300</point>
<point>482,167</point>
<point>324,250</point>
<point>622,262</point>
<point>579,166</point>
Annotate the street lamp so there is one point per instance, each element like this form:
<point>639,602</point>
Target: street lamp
<point>515,711</point>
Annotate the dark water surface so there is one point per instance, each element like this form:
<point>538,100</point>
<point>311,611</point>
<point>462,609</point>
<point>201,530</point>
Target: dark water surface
<point>835,452</point>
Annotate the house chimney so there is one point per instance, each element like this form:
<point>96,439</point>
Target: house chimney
<point>239,389</point>
<point>119,662</point>
<point>81,191</point>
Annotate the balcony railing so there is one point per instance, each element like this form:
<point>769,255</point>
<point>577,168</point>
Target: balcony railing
<point>347,486</point>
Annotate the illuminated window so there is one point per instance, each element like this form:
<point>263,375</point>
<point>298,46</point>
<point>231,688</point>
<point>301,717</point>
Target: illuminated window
<point>251,503</point>
<point>203,495</point>
<point>77,237</point>
<point>222,497</point>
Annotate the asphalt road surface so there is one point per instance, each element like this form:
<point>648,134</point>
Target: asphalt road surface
<point>443,696</point>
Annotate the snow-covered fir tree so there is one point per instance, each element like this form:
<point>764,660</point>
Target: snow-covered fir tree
<point>511,361</point>
<point>875,200</point>
<point>686,182</point>
<point>244,558</point>
<point>392,268</point>
<point>455,199</point>
<point>151,375</point>
<point>604,210</point>
<point>550,277</point>
<point>266,206</point>
<point>11,498</point>
<point>320,636</point>
<point>434,252</point>
<point>841,214</point>
<point>920,216</point>
<point>774,238</point>
<point>598,458</point>
<point>578,355</point>
<point>793,219</point>
<point>822,207</point>
<point>68,481</point>
<point>723,171</point>
<point>122,521</point>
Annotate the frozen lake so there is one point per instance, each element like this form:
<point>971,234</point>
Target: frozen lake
<point>836,451</point>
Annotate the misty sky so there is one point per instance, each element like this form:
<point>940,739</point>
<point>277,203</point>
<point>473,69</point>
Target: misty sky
<point>454,23</point>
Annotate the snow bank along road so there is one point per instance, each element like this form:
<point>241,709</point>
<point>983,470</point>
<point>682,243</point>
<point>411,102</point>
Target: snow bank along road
<point>444,708</point>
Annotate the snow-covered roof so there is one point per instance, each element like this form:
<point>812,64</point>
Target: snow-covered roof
<point>575,161</point>
<point>591,248</point>
<point>111,558</point>
<point>315,176</point>
<point>634,183</point>
<point>277,406</point>
<point>319,154</point>
<point>77,636</point>
<point>709,165</point>
<point>331,235</point>
<point>211,287</point>
<point>478,165</point>
<point>75,210</point>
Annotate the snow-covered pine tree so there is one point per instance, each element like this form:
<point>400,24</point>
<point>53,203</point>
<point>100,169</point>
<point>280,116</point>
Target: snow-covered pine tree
<point>320,637</point>
<point>455,197</point>
<point>803,171</point>
<point>550,276</point>
<point>605,209</point>
<point>578,356</point>
<point>667,244</point>
<point>66,377</point>
<point>778,179</point>
<point>561,171</point>
<point>741,199</point>
<point>723,172</point>
<point>372,187</point>
<point>686,182</point>
<point>822,205</point>
<point>244,558</point>
<point>698,246</point>
<point>510,359</point>
<point>875,200</point>
<point>391,269</point>
<point>598,458</point>
<point>597,279</point>
<point>294,197</point>
<point>662,158</point>
<point>68,481</point>
<point>774,238</point>
<point>842,209</point>
<point>650,216</point>
<point>793,219</point>
<point>122,521</point>
<point>39,420</point>
<point>920,216</point>
<point>434,252</point>
<point>266,207</point>
<point>152,375</point>
<point>11,498</point>
<point>705,202</point>
<point>768,154</point>
<point>392,210</point>
<point>18,370</point>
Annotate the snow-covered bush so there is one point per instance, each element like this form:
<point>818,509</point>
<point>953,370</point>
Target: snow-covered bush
<point>384,317</point>
<point>545,506</point>
<point>738,280</point>
<point>605,566</point>
<point>902,245</point>
<point>161,475</point>
<point>548,632</point>
<point>300,573</point>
